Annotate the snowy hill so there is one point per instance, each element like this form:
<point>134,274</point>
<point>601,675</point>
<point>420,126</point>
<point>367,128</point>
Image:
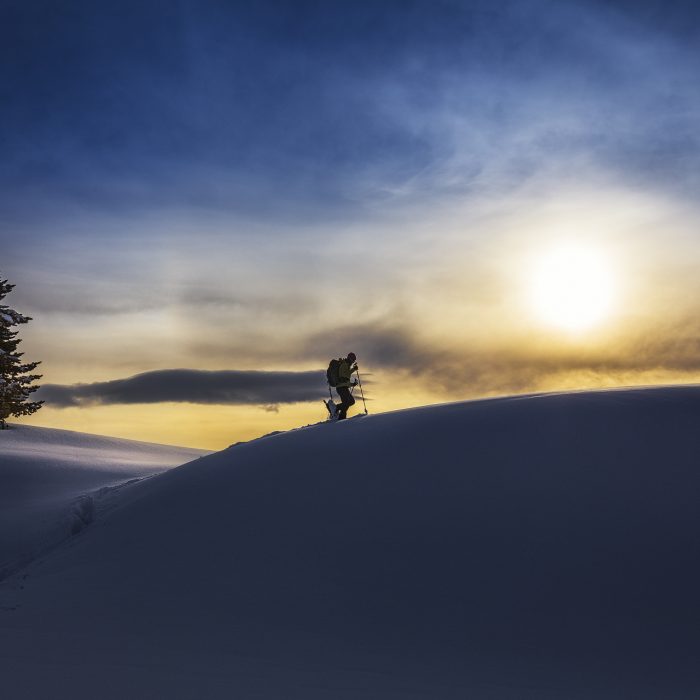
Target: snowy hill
<point>48,478</point>
<point>540,547</point>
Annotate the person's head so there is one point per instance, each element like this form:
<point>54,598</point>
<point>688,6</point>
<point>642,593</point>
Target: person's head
<point>351,357</point>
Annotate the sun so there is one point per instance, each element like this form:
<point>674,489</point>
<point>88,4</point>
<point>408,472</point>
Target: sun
<point>572,288</point>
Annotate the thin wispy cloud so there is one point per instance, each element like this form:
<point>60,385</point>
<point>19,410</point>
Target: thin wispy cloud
<point>441,100</point>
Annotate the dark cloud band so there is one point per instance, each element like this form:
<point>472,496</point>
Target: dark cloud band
<point>232,387</point>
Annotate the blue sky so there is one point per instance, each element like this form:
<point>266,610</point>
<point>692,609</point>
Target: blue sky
<point>313,110</point>
<point>249,185</point>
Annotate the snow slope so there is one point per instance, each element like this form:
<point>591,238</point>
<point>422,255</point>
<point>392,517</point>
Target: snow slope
<point>48,480</point>
<point>542,547</point>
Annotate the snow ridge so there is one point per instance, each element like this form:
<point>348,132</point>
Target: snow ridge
<point>540,546</point>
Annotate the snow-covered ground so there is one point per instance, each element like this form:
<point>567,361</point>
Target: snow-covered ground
<point>50,479</point>
<point>542,547</point>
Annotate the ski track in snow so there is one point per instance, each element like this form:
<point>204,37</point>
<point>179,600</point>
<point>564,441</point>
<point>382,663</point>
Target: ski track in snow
<point>54,483</point>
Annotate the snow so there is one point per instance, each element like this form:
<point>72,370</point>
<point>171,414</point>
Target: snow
<point>47,477</point>
<point>11,317</point>
<point>542,547</point>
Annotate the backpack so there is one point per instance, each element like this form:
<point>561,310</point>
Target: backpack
<point>332,373</point>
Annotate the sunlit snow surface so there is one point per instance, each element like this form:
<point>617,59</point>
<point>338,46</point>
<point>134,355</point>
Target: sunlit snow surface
<point>540,547</point>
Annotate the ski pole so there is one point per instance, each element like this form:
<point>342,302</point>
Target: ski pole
<point>362,393</point>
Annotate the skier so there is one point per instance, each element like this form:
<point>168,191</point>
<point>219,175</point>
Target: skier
<point>339,376</point>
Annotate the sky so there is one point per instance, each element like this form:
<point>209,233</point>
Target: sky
<point>202,202</point>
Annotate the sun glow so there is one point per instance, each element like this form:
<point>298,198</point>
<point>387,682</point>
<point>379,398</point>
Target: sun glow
<point>572,288</point>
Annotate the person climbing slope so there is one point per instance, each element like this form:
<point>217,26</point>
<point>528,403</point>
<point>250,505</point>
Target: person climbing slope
<point>340,377</point>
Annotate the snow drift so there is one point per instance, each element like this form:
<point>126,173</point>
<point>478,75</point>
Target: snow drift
<point>49,478</point>
<point>543,547</point>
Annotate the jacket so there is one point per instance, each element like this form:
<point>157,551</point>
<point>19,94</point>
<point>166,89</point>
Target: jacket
<point>345,371</point>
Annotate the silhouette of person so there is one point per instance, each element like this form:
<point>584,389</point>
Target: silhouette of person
<point>345,370</point>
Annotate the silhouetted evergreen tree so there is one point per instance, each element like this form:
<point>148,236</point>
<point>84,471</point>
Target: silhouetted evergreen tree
<point>15,377</point>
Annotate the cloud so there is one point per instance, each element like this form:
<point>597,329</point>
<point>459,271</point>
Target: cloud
<point>342,107</point>
<point>396,355</point>
<point>462,369</point>
<point>233,387</point>
<point>383,344</point>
